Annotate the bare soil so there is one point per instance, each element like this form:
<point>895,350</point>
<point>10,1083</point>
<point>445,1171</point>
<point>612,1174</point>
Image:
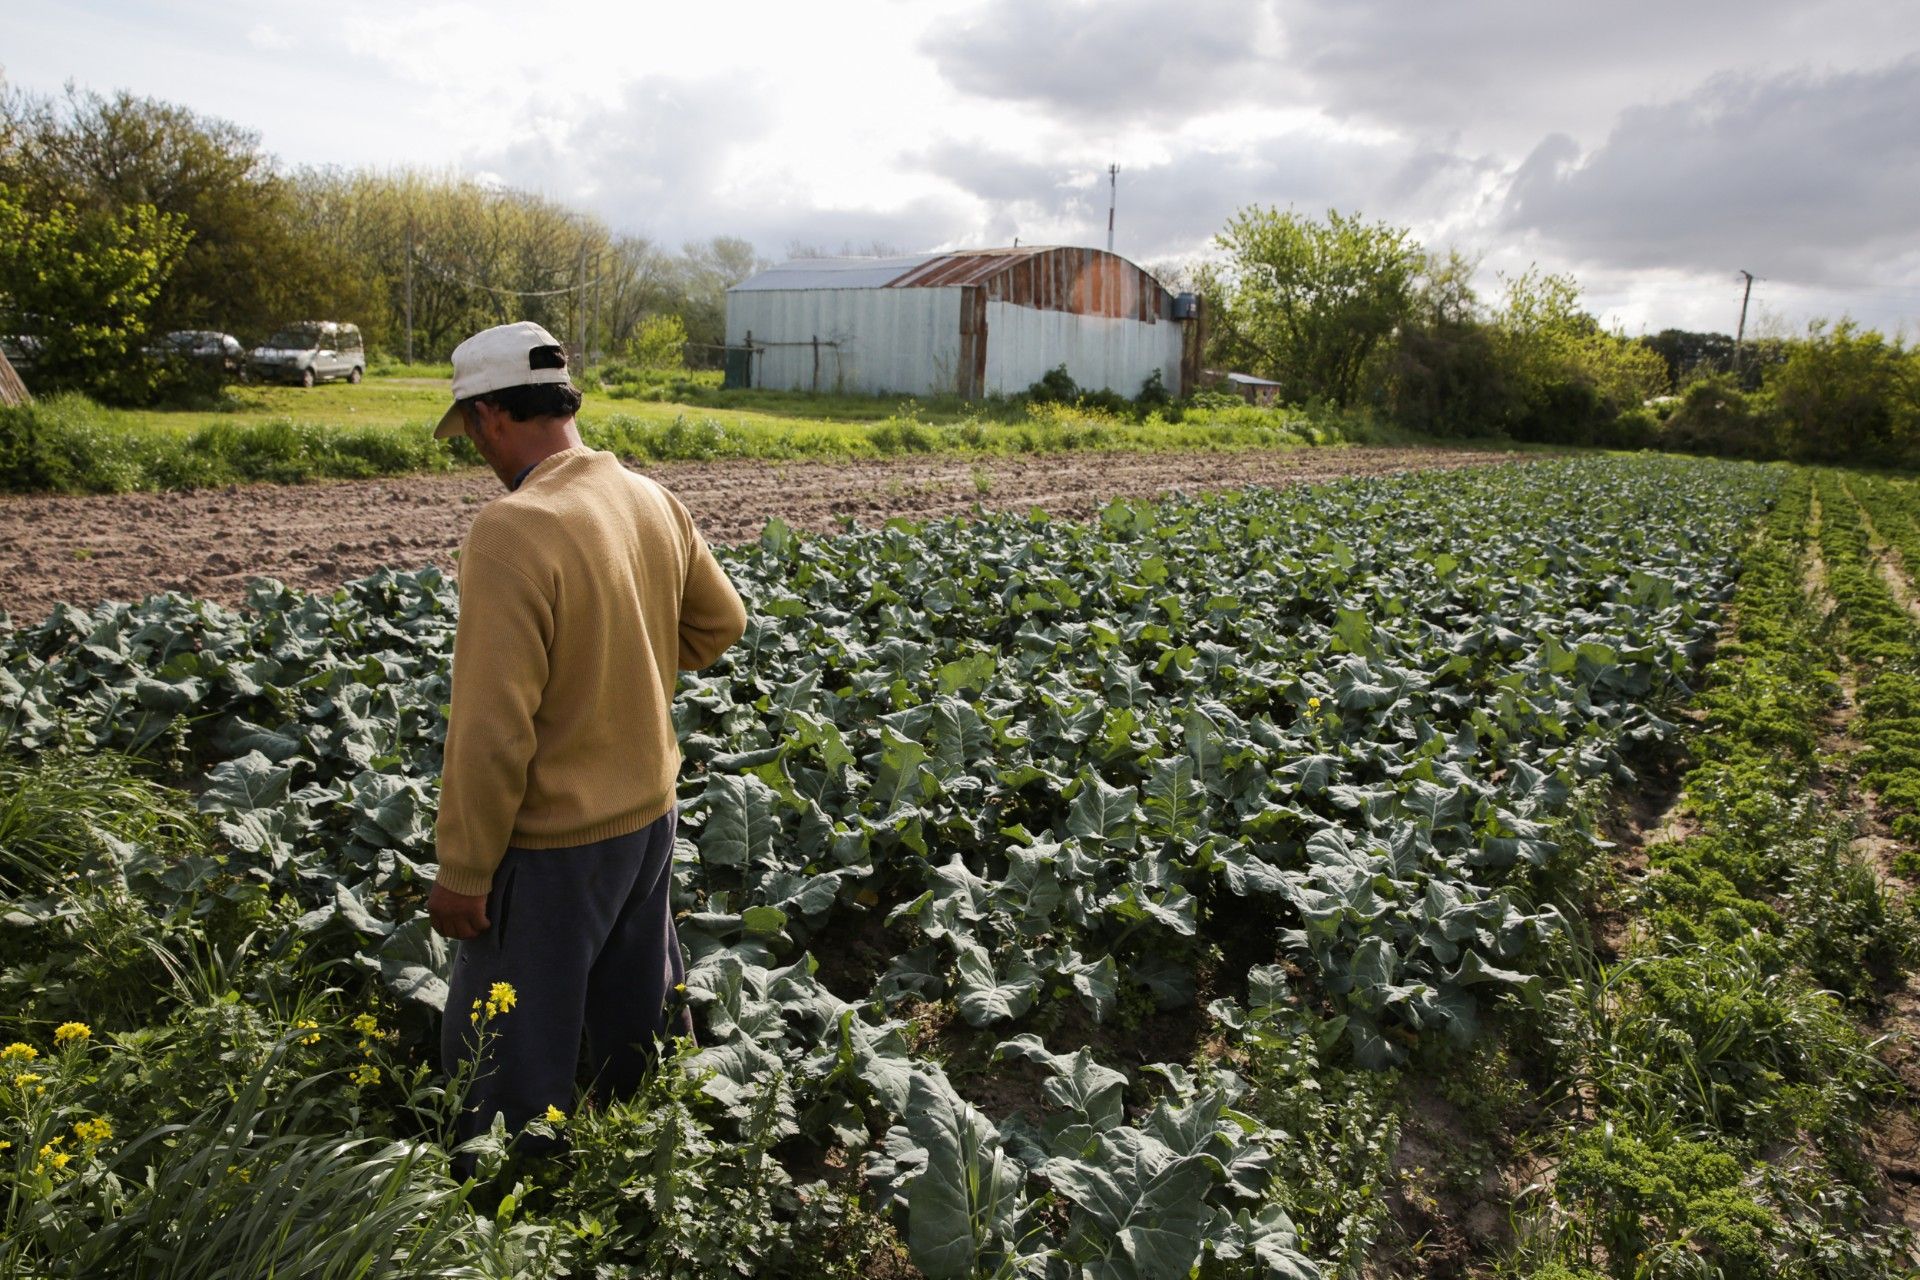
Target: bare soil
<point>213,542</point>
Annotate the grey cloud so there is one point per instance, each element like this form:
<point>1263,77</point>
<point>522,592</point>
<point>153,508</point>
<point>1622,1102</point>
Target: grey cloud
<point>1800,175</point>
<point>1176,207</point>
<point>1507,72</point>
<point>1124,59</point>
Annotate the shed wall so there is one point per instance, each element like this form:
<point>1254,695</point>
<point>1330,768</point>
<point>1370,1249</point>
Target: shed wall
<point>901,341</point>
<point>1100,352</point>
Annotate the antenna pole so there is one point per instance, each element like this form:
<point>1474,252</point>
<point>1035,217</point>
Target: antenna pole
<point>1113,197</point>
<point>1739,335</point>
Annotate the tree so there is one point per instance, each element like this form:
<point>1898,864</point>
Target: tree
<point>1690,355</point>
<point>1447,375</point>
<point>1847,394</point>
<point>1570,378</point>
<point>82,282</point>
<point>1309,303</point>
<point>244,264</point>
<point>706,270</point>
<point>658,342</point>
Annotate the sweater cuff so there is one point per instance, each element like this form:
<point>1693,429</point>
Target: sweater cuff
<point>461,880</point>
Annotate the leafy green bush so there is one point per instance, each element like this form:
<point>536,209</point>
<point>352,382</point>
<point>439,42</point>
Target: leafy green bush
<point>1715,416</point>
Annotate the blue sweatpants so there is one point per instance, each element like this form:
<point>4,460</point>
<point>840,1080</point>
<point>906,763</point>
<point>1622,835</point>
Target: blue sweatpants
<point>585,935</point>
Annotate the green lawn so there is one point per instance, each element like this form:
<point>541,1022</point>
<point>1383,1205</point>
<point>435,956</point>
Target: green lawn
<point>706,421</point>
<point>382,427</point>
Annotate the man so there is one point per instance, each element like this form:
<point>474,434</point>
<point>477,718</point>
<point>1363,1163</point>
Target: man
<point>582,591</point>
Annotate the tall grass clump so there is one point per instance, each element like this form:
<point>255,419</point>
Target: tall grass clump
<point>60,445</point>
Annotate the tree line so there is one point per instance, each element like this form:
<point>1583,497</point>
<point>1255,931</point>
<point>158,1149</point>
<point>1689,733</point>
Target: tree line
<point>122,217</point>
<point>1355,313</point>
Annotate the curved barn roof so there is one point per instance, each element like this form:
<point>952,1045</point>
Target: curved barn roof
<point>1048,277</point>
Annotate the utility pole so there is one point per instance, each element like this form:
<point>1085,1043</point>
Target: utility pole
<point>1113,198</point>
<point>409,287</point>
<point>580,305</point>
<point>1739,335</point>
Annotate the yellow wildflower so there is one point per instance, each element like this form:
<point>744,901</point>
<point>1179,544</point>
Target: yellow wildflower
<point>501,998</point>
<point>57,1159</point>
<point>4,1144</point>
<point>308,1024</point>
<point>17,1052</point>
<point>366,1024</point>
<point>95,1131</point>
<point>71,1032</point>
<point>366,1075</point>
<point>555,1115</point>
<point>25,1078</point>
<point>1313,704</point>
<point>246,1174</point>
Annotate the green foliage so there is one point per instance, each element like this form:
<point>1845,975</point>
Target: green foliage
<point>1715,416</point>
<point>1732,1081</point>
<point>245,268</point>
<point>1044,767</point>
<point>1846,394</point>
<point>1569,378</point>
<point>1309,303</point>
<point>60,445</point>
<point>83,283</point>
<point>1638,1193</point>
<point>658,343</point>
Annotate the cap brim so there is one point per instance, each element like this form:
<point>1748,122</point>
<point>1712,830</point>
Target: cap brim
<point>452,423</point>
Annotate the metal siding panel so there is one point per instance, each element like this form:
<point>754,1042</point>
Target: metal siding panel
<point>1100,352</point>
<point>899,341</point>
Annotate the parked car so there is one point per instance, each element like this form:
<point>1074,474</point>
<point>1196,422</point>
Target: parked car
<point>207,348</point>
<point>310,351</point>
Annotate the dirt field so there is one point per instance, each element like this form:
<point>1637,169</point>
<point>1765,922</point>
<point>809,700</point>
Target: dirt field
<point>209,543</point>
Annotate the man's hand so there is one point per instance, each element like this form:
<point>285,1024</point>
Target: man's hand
<point>457,915</point>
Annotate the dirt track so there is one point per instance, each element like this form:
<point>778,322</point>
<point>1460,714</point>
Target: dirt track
<point>211,542</point>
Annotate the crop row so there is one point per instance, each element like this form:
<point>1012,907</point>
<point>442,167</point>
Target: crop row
<point>1880,639</point>
<point>1730,1087</point>
<point>1312,764</point>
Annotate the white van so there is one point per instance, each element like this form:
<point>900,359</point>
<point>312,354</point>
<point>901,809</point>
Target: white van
<point>310,351</point>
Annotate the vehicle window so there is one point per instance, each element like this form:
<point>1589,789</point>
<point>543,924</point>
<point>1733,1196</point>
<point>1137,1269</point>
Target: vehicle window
<point>350,338</point>
<point>295,339</point>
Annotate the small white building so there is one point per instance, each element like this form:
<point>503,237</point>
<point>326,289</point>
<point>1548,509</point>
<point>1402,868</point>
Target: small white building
<point>970,323</point>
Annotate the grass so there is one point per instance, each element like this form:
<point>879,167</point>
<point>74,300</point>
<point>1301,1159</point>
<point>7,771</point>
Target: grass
<point>67,444</point>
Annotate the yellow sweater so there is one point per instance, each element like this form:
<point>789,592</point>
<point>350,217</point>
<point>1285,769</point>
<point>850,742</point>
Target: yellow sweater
<point>581,594</point>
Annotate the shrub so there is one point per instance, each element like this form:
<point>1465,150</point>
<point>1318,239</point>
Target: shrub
<point>1056,386</point>
<point>1633,429</point>
<point>1715,416</point>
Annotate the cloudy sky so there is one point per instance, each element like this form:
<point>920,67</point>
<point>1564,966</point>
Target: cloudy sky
<point>1653,149</point>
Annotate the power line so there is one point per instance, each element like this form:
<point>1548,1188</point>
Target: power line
<point>517,293</point>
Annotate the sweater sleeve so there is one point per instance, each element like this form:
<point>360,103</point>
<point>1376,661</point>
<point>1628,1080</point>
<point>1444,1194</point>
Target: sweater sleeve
<point>711,615</point>
<point>499,673</point>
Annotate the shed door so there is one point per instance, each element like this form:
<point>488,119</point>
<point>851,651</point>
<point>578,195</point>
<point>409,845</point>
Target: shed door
<point>739,367</point>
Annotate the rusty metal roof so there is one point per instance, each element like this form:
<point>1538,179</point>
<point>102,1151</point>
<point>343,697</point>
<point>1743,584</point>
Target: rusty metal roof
<point>915,270</point>
<point>834,273</point>
<point>1047,277</point>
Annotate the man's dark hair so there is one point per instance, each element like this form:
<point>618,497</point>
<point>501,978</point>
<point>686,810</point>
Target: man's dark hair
<point>540,400</point>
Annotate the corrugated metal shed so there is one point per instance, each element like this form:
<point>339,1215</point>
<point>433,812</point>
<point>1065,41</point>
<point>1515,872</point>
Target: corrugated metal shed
<point>996,320</point>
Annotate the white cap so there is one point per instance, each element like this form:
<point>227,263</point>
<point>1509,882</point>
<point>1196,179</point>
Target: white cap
<point>508,355</point>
